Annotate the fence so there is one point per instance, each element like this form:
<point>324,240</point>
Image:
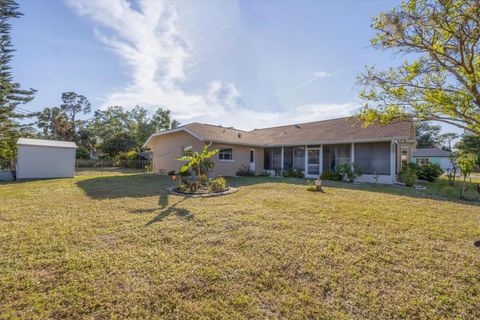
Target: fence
<point>85,167</point>
<point>5,171</point>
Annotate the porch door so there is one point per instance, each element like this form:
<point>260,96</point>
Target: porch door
<point>313,161</point>
<point>252,160</point>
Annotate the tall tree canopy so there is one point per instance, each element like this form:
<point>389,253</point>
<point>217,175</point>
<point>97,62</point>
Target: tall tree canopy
<point>441,79</point>
<point>112,130</point>
<point>427,135</point>
<point>11,95</point>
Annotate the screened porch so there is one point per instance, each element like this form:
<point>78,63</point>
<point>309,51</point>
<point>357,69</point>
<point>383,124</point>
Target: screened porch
<point>375,158</point>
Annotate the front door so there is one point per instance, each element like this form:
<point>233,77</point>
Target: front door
<point>313,162</point>
<point>252,160</point>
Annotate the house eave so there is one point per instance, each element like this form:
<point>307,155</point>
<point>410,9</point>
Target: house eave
<point>145,145</point>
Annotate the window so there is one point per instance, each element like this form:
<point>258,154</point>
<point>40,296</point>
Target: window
<point>187,150</point>
<point>404,156</point>
<point>421,161</point>
<point>287,158</point>
<point>373,158</point>
<point>225,154</point>
<point>252,156</point>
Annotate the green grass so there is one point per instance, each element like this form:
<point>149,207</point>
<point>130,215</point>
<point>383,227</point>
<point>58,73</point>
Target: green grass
<point>118,246</point>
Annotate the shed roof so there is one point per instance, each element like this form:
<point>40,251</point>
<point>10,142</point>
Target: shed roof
<point>430,152</point>
<point>46,143</point>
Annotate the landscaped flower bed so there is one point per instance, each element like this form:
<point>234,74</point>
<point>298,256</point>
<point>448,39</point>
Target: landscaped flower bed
<point>202,184</point>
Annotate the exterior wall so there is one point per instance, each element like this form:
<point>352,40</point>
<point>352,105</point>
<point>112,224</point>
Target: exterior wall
<point>410,148</point>
<point>443,162</point>
<point>241,157</point>
<point>35,162</point>
<point>168,147</point>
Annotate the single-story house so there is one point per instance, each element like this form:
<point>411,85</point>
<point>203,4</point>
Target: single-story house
<point>42,159</point>
<point>381,150</point>
<point>432,155</point>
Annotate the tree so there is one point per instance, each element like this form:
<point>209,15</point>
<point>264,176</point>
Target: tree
<point>470,144</point>
<point>467,162</point>
<point>54,124</point>
<point>11,95</point>
<point>446,140</point>
<point>162,120</point>
<point>427,135</point>
<point>74,104</point>
<point>120,142</point>
<point>441,79</point>
<point>195,159</point>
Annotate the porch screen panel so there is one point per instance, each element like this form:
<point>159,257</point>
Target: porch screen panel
<point>373,158</point>
<point>299,158</point>
<point>344,154</point>
<point>287,158</point>
<point>267,159</point>
<point>276,159</point>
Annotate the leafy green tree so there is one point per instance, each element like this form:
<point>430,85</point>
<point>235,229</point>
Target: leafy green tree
<point>441,79</point>
<point>467,162</point>
<point>54,124</point>
<point>446,140</point>
<point>162,120</point>
<point>11,95</point>
<point>427,135</point>
<point>119,142</point>
<point>73,105</point>
<point>470,143</point>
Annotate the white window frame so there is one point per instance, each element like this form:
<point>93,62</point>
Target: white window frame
<point>184,147</point>
<point>220,152</point>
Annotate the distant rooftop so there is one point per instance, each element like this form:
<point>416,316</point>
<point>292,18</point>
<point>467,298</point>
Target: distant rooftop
<point>45,143</point>
<point>431,152</point>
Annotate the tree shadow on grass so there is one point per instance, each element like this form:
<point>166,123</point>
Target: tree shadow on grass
<point>166,210</point>
<point>124,186</point>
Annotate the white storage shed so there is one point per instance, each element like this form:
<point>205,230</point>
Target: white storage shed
<point>43,159</point>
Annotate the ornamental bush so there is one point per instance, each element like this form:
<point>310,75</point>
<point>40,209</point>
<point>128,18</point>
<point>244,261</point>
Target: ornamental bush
<point>429,171</point>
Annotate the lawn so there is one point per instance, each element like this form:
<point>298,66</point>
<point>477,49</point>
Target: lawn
<point>118,246</point>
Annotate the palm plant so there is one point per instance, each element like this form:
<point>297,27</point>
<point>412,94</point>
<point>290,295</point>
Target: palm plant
<point>195,160</point>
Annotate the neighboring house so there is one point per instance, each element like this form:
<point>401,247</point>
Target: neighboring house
<point>432,155</point>
<point>41,159</point>
<point>311,147</point>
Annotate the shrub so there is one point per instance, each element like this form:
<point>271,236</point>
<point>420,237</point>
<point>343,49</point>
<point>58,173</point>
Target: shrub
<point>218,184</point>
<point>265,173</point>
<point>186,173</point>
<point>148,168</point>
<point>331,175</point>
<point>347,173</point>
<point>243,171</point>
<point>82,153</point>
<point>429,172</point>
<point>293,173</point>
<point>408,176</point>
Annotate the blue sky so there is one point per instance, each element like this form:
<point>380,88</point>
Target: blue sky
<point>249,64</point>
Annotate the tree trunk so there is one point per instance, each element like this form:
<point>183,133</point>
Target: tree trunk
<point>462,191</point>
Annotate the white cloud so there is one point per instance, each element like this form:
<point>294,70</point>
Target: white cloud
<point>316,76</point>
<point>159,57</point>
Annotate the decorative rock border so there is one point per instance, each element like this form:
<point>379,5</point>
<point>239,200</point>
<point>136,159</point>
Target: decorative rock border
<point>230,190</point>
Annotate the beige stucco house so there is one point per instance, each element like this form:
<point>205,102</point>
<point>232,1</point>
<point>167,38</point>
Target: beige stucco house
<point>311,147</point>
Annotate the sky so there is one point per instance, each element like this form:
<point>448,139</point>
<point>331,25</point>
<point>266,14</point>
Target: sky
<point>247,64</point>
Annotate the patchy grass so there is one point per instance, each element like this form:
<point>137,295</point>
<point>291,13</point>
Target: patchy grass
<point>119,246</point>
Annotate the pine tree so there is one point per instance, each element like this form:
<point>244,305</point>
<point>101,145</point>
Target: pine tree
<point>11,95</point>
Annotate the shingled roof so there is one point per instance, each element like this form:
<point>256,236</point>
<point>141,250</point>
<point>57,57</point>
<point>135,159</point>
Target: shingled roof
<point>328,131</point>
